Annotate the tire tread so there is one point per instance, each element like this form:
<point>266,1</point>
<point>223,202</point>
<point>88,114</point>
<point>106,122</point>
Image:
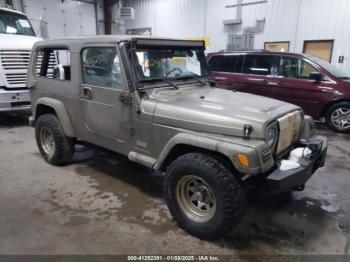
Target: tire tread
<point>64,146</point>
<point>232,194</point>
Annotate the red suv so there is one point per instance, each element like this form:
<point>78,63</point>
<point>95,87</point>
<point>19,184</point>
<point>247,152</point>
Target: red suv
<point>322,90</point>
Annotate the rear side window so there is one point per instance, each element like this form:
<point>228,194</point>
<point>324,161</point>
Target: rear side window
<point>258,64</point>
<point>53,63</point>
<point>226,63</point>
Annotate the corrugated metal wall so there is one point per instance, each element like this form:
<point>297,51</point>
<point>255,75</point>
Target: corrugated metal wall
<point>170,18</point>
<point>71,18</point>
<point>286,20</point>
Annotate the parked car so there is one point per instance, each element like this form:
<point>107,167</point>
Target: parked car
<point>322,90</point>
<point>16,40</point>
<point>151,100</point>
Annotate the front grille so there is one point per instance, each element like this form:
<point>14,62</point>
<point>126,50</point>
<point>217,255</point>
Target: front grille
<point>289,126</point>
<point>15,64</point>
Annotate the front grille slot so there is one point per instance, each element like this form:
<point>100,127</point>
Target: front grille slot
<point>19,104</point>
<point>289,126</point>
<point>266,155</point>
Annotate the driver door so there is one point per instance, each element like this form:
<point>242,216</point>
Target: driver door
<point>105,114</point>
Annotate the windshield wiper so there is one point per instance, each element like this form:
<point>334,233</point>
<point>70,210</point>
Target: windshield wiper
<point>191,77</point>
<point>156,80</point>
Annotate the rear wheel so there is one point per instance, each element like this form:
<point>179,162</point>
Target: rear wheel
<point>55,147</point>
<point>338,117</point>
<point>203,196</point>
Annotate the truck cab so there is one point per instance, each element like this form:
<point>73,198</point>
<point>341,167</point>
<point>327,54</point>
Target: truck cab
<point>16,41</point>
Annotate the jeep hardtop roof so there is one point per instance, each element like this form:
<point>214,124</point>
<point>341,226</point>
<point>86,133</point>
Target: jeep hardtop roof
<point>11,11</point>
<point>113,39</point>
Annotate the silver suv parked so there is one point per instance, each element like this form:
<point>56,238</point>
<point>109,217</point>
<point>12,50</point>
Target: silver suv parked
<point>152,100</point>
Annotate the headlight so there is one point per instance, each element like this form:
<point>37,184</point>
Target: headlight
<point>271,136</point>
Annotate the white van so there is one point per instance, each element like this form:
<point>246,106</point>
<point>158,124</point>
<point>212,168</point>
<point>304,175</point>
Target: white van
<point>16,40</point>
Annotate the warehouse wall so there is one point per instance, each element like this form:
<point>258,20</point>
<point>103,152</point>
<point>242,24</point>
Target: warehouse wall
<point>163,17</point>
<point>309,20</point>
<point>53,19</point>
<point>285,20</point>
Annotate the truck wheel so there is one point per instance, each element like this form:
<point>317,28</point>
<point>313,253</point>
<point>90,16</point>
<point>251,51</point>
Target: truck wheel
<point>55,147</point>
<point>338,117</point>
<point>203,196</point>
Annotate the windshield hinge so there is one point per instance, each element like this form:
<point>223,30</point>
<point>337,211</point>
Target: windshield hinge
<point>132,130</point>
<point>124,98</point>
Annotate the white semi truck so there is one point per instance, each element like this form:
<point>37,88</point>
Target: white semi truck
<point>16,40</point>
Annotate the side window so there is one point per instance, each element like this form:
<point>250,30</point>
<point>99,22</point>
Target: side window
<point>295,68</point>
<point>258,64</point>
<point>101,67</point>
<point>224,63</point>
<point>53,63</point>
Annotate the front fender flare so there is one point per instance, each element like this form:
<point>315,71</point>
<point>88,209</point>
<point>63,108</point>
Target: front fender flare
<point>61,112</point>
<point>202,142</point>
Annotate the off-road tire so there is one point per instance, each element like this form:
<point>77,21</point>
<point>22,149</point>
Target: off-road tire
<point>63,145</point>
<point>329,113</point>
<point>230,198</point>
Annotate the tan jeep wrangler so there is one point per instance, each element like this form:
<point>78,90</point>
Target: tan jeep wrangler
<point>152,100</point>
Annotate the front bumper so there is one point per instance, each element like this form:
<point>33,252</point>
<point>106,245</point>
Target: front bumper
<point>295,179</point>
<point>14,100</point>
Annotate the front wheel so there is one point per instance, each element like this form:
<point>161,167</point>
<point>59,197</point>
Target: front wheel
<point>203,196</point>
<point>338,117</point>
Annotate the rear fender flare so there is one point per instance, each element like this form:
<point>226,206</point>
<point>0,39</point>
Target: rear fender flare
<point>61,113</point>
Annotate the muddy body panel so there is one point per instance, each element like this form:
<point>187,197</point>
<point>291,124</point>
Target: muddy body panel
<point>149,122</point>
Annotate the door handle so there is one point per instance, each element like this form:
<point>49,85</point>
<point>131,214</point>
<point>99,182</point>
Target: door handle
<point>87,92</point>
<point>264,81</point>
<point>282,83</point>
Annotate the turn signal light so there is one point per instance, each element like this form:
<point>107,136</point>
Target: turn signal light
<point>243,160</point>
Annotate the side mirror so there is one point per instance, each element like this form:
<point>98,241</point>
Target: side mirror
<point>318,77</point>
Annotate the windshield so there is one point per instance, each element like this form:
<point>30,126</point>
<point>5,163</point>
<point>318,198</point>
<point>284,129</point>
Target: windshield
<point>169,63</point>
<point>17,24</point>
<point>329,67</point>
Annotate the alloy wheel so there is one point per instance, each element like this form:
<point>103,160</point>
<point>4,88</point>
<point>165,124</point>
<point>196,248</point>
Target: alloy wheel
<point>340,118</point>
<point>196,198</point>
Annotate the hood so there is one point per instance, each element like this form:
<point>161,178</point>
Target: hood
<point>17,42</point>
<point>218,111</point>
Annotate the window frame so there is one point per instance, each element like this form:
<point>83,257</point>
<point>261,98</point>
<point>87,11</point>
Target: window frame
<point>82,66</point>
<point>218,56</point>
<point>320,41</point>
<point>60,47</point>
<point>317,67</point>
<point>273,65</point>
<point>278,42</point>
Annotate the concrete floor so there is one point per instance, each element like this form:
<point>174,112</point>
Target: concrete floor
<point>104,204</point>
